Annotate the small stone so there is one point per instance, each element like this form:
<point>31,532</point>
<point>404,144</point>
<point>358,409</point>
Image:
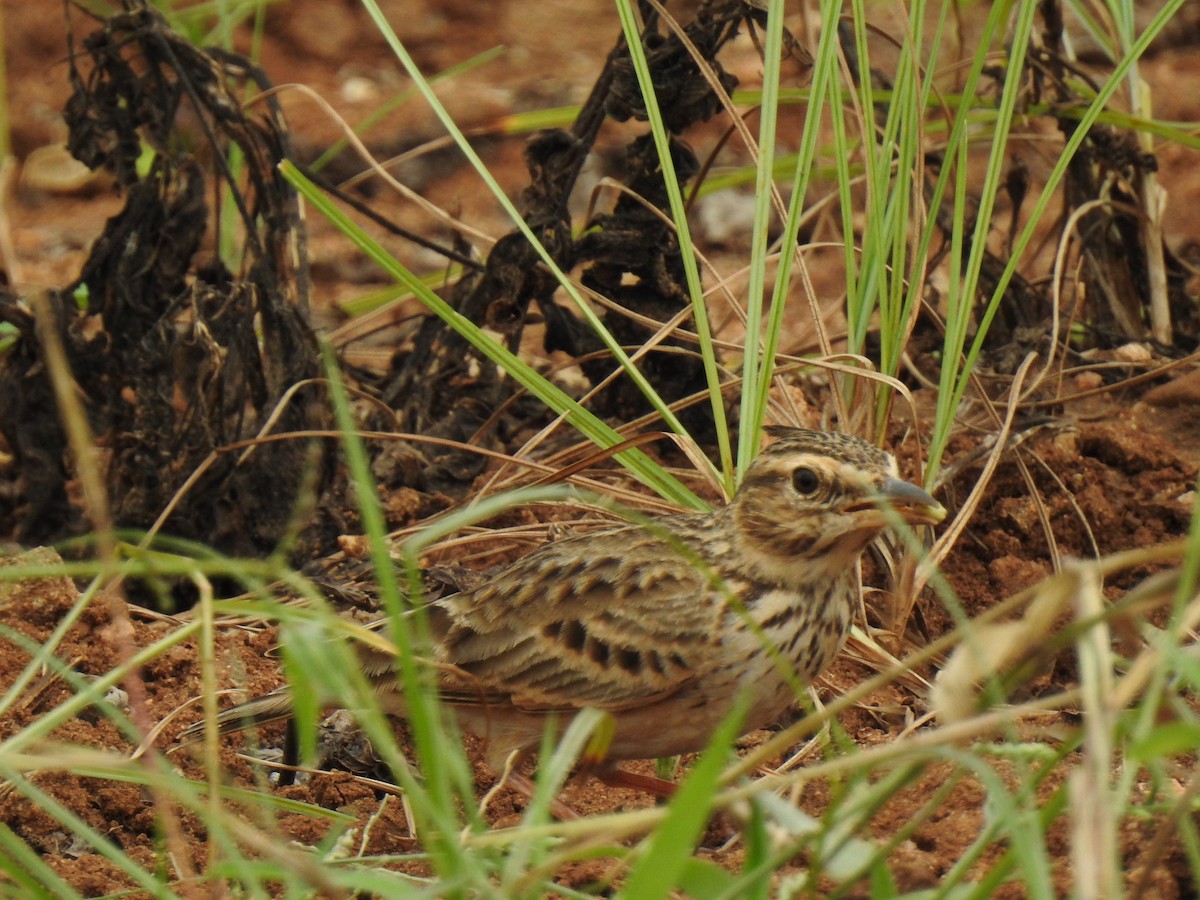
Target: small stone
<point>1133,353</point>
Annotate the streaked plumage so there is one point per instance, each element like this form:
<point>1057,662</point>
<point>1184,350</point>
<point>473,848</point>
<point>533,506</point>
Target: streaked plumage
<point>664,624</point>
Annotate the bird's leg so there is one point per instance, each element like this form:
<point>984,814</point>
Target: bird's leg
<point>291,754</point>
<point>615,776</point>
<point>595,762</point>
<point>510,777</point>
<point>558,809</point>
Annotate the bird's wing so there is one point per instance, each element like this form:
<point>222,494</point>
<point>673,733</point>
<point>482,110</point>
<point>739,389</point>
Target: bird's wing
<point>607,621</point>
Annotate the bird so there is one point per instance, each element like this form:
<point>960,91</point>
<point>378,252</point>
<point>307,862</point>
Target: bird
<point>664,624</point>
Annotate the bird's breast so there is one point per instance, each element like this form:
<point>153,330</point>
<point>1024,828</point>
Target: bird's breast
<point>804,629</point>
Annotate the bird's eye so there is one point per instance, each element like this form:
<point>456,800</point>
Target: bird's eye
<point>805,481</point>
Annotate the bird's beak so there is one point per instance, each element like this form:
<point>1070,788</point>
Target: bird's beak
<point>914,505</point>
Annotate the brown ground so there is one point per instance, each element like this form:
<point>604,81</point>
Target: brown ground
<point>1118,470</point>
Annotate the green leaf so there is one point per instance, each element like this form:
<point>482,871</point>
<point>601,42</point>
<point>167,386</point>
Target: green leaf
<point>702,879</point>
<point>1167,740</point>
<point>641,466</point>
<point>662,866</point>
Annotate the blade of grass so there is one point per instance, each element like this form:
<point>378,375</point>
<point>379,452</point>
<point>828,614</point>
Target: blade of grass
<point>658,870</point>
<point>640,465</point>
<point>637,54</point>
<point>26,869</point>
<point>375,117</point>
<point>443,764</point>
<point>954,380</point>
<point>758,360</point>
<point>823,94</point>
<point>583,307</point>
<point>98,843</point>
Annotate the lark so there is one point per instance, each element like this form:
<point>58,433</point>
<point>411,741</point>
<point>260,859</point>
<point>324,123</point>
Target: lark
<point>666,624</point>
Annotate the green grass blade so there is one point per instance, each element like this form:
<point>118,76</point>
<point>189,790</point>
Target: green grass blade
<point>658,871</point>
<point>581,305</point>
<point>640,465</point>
<point>637,54</point>
<point>23,868</point>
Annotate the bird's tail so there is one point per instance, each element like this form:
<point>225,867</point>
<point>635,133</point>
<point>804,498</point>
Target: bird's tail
<point>259,711</point>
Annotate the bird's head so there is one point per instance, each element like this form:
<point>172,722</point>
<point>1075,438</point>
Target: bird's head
<point>812,501</point>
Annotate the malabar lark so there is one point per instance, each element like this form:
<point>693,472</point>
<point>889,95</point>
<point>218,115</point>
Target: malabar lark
<point>666,623</point>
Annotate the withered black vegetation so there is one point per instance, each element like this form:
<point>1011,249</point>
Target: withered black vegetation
<point>628,256</point>
<point>176,357</point>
